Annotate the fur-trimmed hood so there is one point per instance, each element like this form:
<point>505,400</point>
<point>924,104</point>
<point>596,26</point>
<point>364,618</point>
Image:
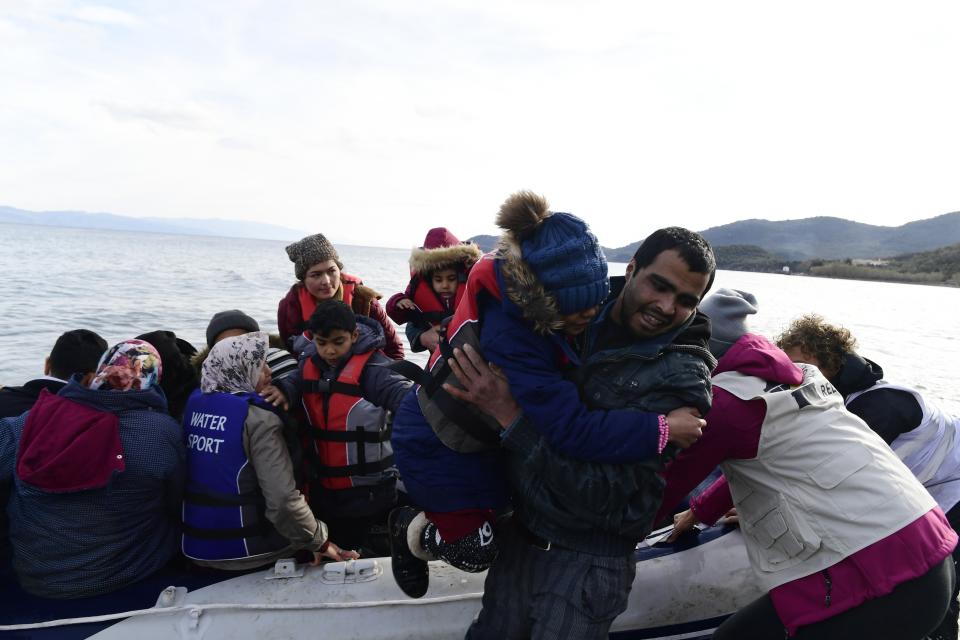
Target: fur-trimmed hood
<point>459,256</point>
<point>519,218</point>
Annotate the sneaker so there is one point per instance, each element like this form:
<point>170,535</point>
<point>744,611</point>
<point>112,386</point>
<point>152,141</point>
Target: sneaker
<point>410,572</point>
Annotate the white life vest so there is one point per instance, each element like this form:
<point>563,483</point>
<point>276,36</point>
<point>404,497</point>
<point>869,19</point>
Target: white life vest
<point>823,485</point>
<point>931,450</point>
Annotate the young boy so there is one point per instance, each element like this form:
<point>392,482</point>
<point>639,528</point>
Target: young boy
<point>352,481</point>
<point>438,270</point>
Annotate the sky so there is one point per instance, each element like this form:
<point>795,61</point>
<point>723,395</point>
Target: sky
<point>374,120</point>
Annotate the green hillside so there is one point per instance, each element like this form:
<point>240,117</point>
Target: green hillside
<point>835,238</point>
<point>925,251</point>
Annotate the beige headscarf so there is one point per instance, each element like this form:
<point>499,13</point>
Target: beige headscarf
<point>234,364</point>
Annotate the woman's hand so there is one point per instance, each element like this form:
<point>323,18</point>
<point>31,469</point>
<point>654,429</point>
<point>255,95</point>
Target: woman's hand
<point>682,522</point>
<point>730,517</point>
<point>332,551</point>
<point>274,396</point>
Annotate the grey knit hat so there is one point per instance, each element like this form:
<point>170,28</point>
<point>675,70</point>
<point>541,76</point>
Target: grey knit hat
<point>232,319</point>
<point>310,251</point>
<point>728,310</point>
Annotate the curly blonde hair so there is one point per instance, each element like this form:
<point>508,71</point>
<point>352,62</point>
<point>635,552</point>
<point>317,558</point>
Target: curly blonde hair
<point>826,342</point>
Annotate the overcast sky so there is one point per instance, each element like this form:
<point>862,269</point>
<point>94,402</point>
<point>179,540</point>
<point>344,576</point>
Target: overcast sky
<point>372,121</point>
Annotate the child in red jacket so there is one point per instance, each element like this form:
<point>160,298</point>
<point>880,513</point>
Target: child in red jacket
<point>438,271</point>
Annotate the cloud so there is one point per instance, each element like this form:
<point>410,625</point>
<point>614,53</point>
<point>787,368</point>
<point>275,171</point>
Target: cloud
<point>156,116</point>
<point>398,118</point>
<point>106,16</point>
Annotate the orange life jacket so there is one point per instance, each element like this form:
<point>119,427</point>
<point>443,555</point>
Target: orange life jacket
<point>432,309</point>
<point>349,437</point>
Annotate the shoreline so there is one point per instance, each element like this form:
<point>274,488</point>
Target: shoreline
<point>948,285</point>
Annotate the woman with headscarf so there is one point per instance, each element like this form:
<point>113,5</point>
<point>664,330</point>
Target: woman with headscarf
<point>320,277</point>
<point>97,479</point>
<point>242,509</point>
<point>179,376</point>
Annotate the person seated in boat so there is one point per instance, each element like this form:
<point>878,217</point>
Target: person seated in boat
<point>241,508</point>
<point>541,288</point>
<point>234,322</point>
<point>920,431</point>
<point>97,476</point>
<point>842,535</point>
<point>438,272</point>
<point>349,398</point>
<point>224,324</point>
<point>179,377</point>
<point>75,352</point>
<point>320,276</point>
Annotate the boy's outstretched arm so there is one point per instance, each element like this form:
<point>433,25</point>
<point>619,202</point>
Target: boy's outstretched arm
<point>382,386</point>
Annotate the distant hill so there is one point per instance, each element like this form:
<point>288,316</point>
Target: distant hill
<point>486,243</point>
<point>835,238</point>
<point>940,266</point>
<point>184,226</point>
<point>745,257</point>
<point>945,260</point>
<point>823,237</point>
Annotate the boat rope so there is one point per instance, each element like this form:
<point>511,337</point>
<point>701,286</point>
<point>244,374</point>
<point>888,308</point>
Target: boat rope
<point>200,608</point>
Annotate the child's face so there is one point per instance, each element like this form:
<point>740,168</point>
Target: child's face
<point>266,378</point>
<point>336,344</point>
<point>576,323</point>
<point>445,282</point>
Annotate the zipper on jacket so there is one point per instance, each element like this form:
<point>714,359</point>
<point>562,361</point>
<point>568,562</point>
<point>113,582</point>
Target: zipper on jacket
<point>828,583</point>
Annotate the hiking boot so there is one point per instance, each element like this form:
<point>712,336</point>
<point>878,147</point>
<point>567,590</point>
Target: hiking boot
<point>410,572</point>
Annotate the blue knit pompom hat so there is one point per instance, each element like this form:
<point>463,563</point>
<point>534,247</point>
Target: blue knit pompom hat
<point>568,261</point>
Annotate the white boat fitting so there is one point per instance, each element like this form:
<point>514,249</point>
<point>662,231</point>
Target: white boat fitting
<point>682,591</point>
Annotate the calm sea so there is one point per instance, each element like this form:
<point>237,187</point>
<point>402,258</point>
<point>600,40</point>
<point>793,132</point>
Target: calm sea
<point>121,284</point>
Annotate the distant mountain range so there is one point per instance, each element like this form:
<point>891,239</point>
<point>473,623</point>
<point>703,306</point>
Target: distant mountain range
<point>184,226</point>
<point>822,237</point>
<point>787,240</point>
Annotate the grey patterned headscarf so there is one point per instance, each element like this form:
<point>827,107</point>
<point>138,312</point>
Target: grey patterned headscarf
<point>234,364</point>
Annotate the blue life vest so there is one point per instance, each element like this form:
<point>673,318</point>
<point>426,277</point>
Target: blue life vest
<point>223,507</point>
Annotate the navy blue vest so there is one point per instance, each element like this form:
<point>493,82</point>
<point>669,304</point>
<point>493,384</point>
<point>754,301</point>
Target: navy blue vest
<point>223,508</point>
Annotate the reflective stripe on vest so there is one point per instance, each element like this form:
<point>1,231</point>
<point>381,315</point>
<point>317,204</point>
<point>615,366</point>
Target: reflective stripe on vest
<point>223,506</point>
<point>349,437</point>
<point>932,449</point>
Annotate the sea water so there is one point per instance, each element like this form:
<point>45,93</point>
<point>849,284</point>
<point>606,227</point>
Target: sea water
<point>121,284</point>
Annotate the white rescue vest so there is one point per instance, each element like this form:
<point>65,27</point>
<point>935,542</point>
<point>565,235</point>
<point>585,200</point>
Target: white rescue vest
<point>931,450</point>
<point>823,485</point>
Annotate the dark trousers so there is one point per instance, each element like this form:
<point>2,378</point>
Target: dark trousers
<point>909,612</point>
<point>360,529</point>
<point>558,594</point>
<point>947,629</point>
